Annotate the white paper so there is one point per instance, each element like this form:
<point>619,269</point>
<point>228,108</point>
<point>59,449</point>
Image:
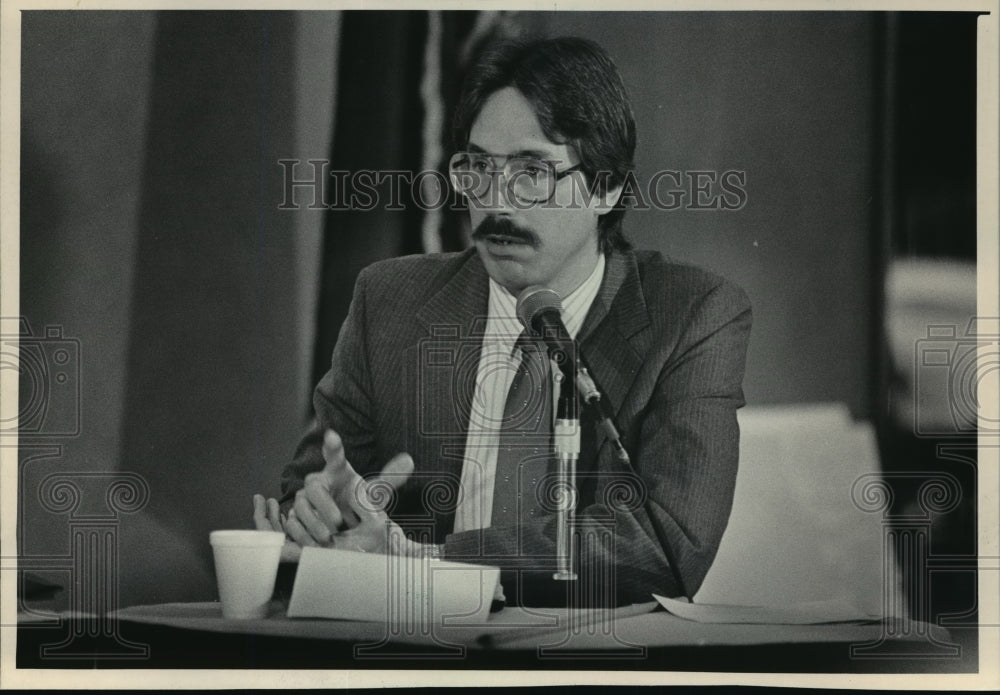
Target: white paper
<point>348,585</point>
<point>799,531</point>
<point>811,613</point>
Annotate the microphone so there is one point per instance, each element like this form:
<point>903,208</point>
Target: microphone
<point>539,309</point>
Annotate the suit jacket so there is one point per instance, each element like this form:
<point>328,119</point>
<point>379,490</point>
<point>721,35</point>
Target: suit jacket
<point>666,343</point>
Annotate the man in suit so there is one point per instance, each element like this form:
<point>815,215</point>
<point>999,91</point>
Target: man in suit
<point>423,373</point>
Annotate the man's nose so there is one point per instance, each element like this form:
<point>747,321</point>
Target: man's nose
<point>498,199</point>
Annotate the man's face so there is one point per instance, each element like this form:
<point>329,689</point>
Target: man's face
<point>552,244</point>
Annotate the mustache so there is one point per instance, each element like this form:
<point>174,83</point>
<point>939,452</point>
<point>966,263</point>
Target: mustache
<point>503,226</point>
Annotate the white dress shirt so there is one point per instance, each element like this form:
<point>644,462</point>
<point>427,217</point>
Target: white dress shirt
<point>498,362</point>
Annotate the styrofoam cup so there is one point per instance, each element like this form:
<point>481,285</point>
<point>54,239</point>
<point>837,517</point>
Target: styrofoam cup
<point>246,566</point>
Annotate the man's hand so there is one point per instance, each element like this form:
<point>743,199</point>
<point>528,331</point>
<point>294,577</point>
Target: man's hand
<point>338,508</point>
<point>268,517</point>
<point>375,532</point>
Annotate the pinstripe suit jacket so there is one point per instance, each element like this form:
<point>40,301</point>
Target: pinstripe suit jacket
<point>666,343</point>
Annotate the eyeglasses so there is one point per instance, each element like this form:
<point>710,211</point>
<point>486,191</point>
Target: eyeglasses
<point>529,179</point>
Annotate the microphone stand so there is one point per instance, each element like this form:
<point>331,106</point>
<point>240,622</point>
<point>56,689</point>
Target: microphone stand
<point>567,445</point>
<point>539,311</point>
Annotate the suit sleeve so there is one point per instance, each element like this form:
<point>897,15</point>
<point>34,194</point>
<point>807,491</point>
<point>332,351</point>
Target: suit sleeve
<point>655,527</point>
<point>341,401</point>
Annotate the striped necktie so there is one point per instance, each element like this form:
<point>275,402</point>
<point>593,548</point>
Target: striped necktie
<point>525,447</point>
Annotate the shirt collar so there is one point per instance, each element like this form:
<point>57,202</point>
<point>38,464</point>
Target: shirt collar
<point>503,326</point>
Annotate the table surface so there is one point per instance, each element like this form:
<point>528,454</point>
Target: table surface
<point>643,637</point>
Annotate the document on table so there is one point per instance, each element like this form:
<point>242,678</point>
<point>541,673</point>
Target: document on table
<point>348,585</point>
<point>810,613</point>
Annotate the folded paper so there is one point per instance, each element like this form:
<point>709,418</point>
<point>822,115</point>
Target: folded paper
<point>393,589</point>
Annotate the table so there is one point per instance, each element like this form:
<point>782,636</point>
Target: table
<point>642,638</point>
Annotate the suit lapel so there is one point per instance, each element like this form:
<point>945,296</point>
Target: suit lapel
<point>617,315</point>
<point>463,297</point>
<point>454,320</point>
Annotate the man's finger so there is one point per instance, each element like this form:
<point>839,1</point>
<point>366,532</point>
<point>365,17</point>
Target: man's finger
<point>297,532</point>
<point>397,471</point>
<point>375,495</point>
<point>336,460</point>
<point>347,501</point>
<point>324,506</point>
<point>260,521</point>
<point>309,520</point>
<point>274,514</point>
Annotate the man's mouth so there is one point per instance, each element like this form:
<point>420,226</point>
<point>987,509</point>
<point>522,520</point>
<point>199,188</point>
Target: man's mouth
<point>502,240</point>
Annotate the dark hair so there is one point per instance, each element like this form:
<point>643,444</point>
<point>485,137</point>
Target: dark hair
<point>579,99</point>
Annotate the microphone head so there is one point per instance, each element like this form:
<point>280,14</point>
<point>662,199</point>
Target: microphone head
<point>535,300</point>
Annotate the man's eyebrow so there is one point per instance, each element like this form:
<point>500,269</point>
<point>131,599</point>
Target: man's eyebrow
<point>537,154</point>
